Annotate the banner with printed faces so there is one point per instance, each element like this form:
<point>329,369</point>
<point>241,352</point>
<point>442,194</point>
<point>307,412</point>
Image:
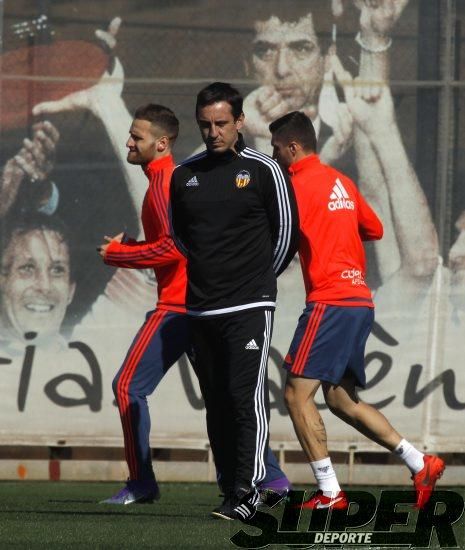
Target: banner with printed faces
<point>71,80</point>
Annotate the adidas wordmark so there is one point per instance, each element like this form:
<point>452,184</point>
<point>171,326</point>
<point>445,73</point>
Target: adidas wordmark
<point>339,198</point>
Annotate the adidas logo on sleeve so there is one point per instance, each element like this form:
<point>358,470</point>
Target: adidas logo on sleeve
<point>339,198</point>
<point>193,182</point>
<point>252,345</point>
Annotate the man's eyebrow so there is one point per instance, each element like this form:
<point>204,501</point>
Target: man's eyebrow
<point>293,43</point>
<point>215,121</point>
<point>300,43</point>
<point>264,43</point>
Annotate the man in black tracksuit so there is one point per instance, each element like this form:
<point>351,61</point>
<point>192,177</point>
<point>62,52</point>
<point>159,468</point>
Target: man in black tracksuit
<point>234,213</point>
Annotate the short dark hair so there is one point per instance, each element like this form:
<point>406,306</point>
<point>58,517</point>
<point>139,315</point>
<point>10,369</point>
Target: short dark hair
<point>295,126</point>
<point>160,116</point>
<point>16,226</point>
<point>322,16</point>
<point>220,91</point>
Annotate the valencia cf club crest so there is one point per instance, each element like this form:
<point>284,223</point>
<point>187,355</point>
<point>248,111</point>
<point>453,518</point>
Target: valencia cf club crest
<point>242,179</point>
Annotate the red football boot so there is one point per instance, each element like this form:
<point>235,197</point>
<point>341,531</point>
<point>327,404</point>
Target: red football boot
<point>318,501</point>
<point>425,480</point>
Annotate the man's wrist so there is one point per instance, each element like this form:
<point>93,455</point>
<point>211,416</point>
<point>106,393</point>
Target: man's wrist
<point>373,42</point>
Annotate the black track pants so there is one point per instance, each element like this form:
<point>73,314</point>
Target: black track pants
<point>231,356</point>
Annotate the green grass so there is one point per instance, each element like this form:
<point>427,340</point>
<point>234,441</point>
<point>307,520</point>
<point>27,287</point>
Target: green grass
<point>59,515</point>
<point>67,515</point>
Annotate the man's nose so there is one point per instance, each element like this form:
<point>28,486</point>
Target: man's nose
<point>130,143</point>
<point>42,280</point>
<point>282,63</point>
<point>213,131</point>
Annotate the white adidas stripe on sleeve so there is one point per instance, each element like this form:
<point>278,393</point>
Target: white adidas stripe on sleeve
<point>285,224</point>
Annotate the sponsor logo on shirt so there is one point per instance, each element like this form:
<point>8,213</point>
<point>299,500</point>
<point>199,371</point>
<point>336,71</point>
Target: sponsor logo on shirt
<point>339,198</point>
<point>193,182</point>
<point>242,179</point>
<point>355,275</point>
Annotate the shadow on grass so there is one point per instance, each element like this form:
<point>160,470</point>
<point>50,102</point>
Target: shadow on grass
<point>71,501</point>
<point>96,513</point>
<point>119,506</point>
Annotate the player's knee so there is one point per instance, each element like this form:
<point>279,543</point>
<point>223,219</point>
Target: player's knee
<point>116,387</point>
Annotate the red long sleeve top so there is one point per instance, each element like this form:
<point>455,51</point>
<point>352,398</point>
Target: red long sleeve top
<point>158,251</point>
<point>334,220</point>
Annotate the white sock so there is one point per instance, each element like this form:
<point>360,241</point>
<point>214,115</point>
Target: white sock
<point>325,476</point>
<point>413,458</point>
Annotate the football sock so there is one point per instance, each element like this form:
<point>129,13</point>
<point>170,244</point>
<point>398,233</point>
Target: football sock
<point>325,476</point>
<point>412,457</point>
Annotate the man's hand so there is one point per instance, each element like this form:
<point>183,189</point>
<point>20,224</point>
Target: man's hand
<point>108,37</point>
<point>377,19</point>
<point>370,105</point>
<point>262,106</point>
<point>34,161</point>
<point>109,84</point>
<point>341,139</point>
<point>379,16</point>
<point>103,247</point>
<point>37,156</point>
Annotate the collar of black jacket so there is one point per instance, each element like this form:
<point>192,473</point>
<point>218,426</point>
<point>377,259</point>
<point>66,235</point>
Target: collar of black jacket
<point>230,154</point>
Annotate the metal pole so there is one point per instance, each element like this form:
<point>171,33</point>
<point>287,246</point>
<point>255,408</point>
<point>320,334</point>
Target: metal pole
<point>446,125</point>
<point>446,129</point>
<point>428,40</point>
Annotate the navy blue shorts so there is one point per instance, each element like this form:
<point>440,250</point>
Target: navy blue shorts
<point>329,343</point>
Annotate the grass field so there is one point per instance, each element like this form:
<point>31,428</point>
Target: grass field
<point>67,515</point>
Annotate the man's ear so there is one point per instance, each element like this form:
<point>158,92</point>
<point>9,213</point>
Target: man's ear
<point>240,121</point>
<point>295,148</point>
<point>163,144</point>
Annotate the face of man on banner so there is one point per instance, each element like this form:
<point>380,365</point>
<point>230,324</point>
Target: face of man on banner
<point>287,57</point>
<point>35,282</point>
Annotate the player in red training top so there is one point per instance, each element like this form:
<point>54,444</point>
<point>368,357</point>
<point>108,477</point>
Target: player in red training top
<point>165,334</point>
<point>152,134</point>
<point>329,342</point>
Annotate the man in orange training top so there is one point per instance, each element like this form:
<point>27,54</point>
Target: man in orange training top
<point>329,342</point>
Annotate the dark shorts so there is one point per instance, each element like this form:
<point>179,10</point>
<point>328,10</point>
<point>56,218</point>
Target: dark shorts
<point>329,343</point>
